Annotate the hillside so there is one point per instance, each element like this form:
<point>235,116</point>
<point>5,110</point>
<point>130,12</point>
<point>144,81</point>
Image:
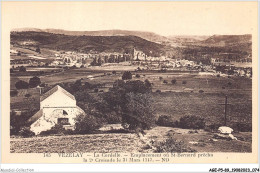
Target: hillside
<point>150,36</point>
<point>86,43</point>
<point>228,39</point>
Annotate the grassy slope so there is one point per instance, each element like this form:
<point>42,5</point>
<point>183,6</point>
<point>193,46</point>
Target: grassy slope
<point>117,142</point>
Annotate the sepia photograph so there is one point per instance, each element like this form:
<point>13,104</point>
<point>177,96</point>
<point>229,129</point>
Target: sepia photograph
<point>129,77</point>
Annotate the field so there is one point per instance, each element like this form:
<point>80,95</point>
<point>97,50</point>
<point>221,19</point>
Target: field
<point>128,142</point>
<point>202,95</point>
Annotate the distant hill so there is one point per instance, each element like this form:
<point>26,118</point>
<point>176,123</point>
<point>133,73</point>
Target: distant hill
<point>150,36</point>
<point>188,38</point>
<point>228,39</point>
<point>84,43</point>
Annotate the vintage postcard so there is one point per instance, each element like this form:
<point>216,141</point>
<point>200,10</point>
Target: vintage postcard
<point>129,82</point>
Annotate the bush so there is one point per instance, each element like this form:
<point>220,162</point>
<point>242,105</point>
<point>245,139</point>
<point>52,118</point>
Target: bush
<point>96,90</point>
<point>161,78</point>
<point>57,129</point>
<point>165,81</point>
<point>137,75</point>
<point>26,132</point>
<point>113,72</point>
<point>27,95</point>
<point>87,124</point>
<point>147,83</point>
<point>158,91</point>
<point>13,93</point>
<point>191,122</point>
<point>21,85</point>
<point>184,82</point>
<point>165,120</point>
<point>127,75</point>
<point>173,81</point>
<point>212,127</point>
<point>201,91</point>
<point>171,145</point>
<point>241,127</point>
<point>22,69</point>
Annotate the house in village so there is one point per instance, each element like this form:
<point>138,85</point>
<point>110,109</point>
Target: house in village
<point>57,106</point>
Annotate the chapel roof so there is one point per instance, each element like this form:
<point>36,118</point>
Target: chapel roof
<point>55,89</point>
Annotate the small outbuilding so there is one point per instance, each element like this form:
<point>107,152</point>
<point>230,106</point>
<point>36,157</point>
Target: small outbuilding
<point>57,106</point>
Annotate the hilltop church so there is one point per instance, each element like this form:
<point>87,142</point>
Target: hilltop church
<point>57,106</point>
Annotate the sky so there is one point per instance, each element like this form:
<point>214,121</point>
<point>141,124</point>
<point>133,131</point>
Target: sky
<point>164,18</point>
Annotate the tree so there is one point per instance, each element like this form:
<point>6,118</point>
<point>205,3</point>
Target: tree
<point>34,82</point>
<point>13,93</point>
<point>127,75</point>
<point>22,69</point>
<point>87,124</point>
<point>173,81</point>
<point>132,100</point>
<point>138,112</point>
<point>38,50</point>
<point>21,85</point>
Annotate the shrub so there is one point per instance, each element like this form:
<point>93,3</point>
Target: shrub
<point>184,82</point>
<point>191,122</point>
<point>26,132</point>
<point>127,75</point>
<point>56,130</point>
<point>218,75</point>
<point>96,90</point>
<point>212,127</point>
<point>113,72</point>
<point>22,69</point>
<point>13,93</point>
<point>165,81</point>
<point>137,75</point>
<point>173,81</point>
<point>201,91</point>
<point>147,83</point>
<point>87,124</point>
<point>161,78</point>
<point>171,145</point>
<point>242,127</point>
<point>27,95</point>
<point>158,91</point>
<point>165,120</point>
<point>21,85</point>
